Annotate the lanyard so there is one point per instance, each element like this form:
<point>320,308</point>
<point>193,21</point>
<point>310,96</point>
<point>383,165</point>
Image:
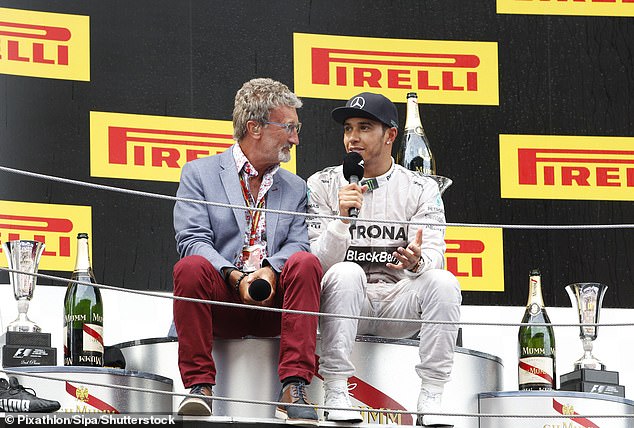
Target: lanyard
<point>255,215</point>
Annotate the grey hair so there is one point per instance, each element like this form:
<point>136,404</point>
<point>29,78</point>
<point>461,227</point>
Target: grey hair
<point>256,99</point>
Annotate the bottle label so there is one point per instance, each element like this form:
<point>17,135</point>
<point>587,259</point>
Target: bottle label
<point>93,338</point>
<point>535,370</point>
<point>89,360</point>
<point>74,318</point>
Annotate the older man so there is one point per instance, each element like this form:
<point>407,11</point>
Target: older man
<point>224,250</point>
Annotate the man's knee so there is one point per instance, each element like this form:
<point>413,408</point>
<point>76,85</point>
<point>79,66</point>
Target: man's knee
<point>443,284</point>
<point>305,266</point>
<point>344,275</point>
<point>306,262</point>
<point>189,272</point>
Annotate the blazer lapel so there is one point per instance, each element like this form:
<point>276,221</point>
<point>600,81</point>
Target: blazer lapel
<point>231,185</point>
<point>273,202</point>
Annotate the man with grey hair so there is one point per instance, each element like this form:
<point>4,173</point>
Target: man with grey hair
<point>223,251</point>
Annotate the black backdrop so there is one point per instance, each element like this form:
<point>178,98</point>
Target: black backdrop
<point>558,75</point>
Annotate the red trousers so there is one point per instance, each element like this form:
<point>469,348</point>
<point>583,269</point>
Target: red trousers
<point>298,288</point>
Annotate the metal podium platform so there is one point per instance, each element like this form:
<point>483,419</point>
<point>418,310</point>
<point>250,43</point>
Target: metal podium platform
<point>385,379</point>
<point>578,406</point>
<point>77,390</point>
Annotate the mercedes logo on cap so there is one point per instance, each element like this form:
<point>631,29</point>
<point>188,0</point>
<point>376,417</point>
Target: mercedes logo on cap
<point>358,102</point>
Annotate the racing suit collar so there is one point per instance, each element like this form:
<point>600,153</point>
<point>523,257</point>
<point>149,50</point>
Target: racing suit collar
<point>376,182</point>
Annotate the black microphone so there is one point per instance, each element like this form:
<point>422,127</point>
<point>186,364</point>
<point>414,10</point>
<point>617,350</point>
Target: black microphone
<point>260,289</point>
<point>353,172</point>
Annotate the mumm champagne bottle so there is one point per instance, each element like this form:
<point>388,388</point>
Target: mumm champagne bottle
<point>537,369</point>
<point>414,152</point>
<point>83,314</point>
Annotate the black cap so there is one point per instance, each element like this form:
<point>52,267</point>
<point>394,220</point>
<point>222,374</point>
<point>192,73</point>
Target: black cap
<point>372,106</point>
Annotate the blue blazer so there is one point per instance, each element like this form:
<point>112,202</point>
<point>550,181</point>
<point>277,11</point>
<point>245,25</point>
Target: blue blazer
<point>217,233</point>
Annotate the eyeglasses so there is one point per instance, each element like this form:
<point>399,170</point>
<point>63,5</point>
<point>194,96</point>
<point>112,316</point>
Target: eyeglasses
<point>288,126</point>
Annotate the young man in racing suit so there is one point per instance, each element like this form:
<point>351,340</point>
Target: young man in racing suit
<point>391,270</point>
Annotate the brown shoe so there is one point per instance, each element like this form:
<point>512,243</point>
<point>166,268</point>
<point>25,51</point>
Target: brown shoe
<point>295,393</point>
<point>194,406</point>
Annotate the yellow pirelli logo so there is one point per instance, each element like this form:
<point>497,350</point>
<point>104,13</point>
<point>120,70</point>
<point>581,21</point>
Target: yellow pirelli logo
<point>567,167</point>
<point>441,72</point>
<point>155,148</point>
<point>56,226</point>
<point>567,7</point>
<point>475,255</point>
<point>41,44</point>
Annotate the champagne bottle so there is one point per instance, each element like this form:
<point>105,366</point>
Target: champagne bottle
<point>414,152</point>
<point>536,368</point>
<point>83,314</point>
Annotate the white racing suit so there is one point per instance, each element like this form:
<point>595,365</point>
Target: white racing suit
<point>358,282</point>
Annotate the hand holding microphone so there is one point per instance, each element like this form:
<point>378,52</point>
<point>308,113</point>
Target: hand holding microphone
<point>259,289</point>
<point>353,172</point>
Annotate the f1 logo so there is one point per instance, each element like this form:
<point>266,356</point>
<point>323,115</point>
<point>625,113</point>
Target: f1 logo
<point>29,352</point>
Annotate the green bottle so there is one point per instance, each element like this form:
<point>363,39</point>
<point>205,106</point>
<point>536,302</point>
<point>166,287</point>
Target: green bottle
<point>414,152</point>
<point>536,350</point>
<point>83,314</point>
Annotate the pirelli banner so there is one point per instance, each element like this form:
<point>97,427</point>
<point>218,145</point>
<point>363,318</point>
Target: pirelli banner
<point>142,147</point>
<point>567,7</point>
<point>39,44</point>
<point>56,226</point>
<point>444,72</point>
<point>567,167</point>
<point>527,105</point>
<point>475,255</point>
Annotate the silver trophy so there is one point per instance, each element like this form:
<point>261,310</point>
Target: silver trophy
<point>443,182</point>
<point>23,256</point>
<point>588,297</point>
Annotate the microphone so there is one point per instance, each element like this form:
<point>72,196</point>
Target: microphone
<point>353,172</point>
<point>260,289</point>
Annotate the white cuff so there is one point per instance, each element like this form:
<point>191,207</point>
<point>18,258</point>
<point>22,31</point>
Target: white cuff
<point>418,271</point>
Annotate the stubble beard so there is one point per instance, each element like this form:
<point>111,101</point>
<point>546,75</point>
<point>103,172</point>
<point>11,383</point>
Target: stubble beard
<point>285,154</point>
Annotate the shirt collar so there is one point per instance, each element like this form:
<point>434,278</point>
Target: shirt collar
<point>376,182</point>
<point>243,164</point>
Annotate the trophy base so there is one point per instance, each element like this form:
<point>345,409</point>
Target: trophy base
<point>28,349</point>
<point>590,375</point>
<point>27,339</point>
<point>19,356</point>
<point>590,380</point>
<point>595,387</point>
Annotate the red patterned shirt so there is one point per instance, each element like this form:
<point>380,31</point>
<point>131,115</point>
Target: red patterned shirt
<point>246,170</point>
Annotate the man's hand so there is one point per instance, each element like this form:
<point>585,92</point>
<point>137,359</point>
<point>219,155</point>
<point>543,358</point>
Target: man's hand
<point>265,273</point>
<point>350,196</point>
<point>408,257</point>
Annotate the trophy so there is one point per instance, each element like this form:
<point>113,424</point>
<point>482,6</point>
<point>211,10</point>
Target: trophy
<point>443,182</point>
<point>23,256</point>
<point>588,297</point>
<point>589,373</point>
<point>25,344</point>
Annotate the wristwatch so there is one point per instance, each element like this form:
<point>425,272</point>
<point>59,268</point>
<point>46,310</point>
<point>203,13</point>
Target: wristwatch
<point>417,266</point>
